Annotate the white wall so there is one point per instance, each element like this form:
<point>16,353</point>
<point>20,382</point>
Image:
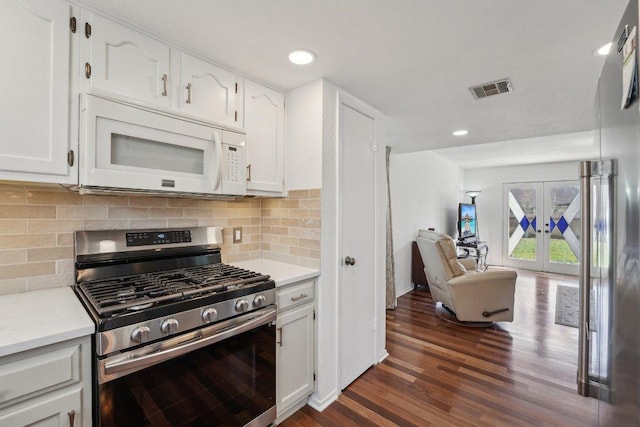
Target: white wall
<point>490,204</point>
<point>425,191</point>
<point>304,136</point>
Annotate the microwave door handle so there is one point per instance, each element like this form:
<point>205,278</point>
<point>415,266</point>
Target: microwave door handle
<point>218,147</point>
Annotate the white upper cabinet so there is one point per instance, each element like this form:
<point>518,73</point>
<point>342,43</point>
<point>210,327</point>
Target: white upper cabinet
<point>264,124</point>
<point>35,136</point>
<point>120,60</point>
<point>205,90</point>
<point>125,62</point>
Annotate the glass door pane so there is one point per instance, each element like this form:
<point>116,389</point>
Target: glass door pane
<point>523,244</point>
<point>562,223</point>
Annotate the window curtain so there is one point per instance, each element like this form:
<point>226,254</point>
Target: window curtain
<point>391,281</point>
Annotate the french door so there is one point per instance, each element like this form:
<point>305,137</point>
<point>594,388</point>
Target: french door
<point>542,226</point>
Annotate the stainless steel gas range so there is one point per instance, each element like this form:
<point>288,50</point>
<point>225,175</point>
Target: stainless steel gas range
<point>182,339</point>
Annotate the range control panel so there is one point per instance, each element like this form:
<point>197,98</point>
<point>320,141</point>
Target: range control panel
<point>144,238</point>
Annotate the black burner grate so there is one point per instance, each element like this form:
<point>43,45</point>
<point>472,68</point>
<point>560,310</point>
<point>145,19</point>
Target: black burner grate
<point>141,291</point>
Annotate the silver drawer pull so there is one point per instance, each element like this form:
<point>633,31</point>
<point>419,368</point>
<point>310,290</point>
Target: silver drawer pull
<point>72,417</point>
<point>299,297</point>
<point>280,342</point>
<point>164,85</point>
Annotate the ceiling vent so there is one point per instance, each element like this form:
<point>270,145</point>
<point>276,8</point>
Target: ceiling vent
<point>492,88</point>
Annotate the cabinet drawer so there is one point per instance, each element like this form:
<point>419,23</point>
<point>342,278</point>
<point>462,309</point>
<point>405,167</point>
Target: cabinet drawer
<point>296,294</point>
<point>54,409</point>
<point>38,372</point>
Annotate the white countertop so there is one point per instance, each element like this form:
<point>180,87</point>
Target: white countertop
<point>38,318</point>
<point>281,272</point>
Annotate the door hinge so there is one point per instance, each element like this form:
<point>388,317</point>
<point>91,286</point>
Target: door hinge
<point>73,24</point>
<point>71,157</point>
<point>314,314</point>
<point>236,87</point>
<point>87,30</point>
<point>87,70</point>
<point>236,115</point>
<point>314,376</point>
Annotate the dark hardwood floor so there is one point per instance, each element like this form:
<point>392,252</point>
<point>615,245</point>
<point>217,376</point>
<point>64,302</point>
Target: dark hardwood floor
<point>511,374</point>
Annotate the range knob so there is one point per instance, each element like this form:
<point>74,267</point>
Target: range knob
<point>141,334</point>
<point>169,326</point>
<point>242,305</point>
<point>259,300</point>
<point>209,315</point>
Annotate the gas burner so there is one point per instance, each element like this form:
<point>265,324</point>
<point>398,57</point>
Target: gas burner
<point>140,307</point>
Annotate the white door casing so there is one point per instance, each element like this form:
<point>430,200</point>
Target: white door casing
<point>357,139</point>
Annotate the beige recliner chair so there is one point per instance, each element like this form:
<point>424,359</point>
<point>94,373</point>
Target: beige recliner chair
<point>473,295</point>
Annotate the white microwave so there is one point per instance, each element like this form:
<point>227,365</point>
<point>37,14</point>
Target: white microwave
<point>129,149</point>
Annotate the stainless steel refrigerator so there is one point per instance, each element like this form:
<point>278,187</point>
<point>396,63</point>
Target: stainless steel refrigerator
<point>609,361</point>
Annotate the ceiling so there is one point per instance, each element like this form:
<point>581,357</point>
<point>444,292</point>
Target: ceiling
<point>413,60</point>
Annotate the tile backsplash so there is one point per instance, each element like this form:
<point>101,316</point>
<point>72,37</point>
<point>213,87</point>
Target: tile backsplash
<point>37,224</point>
<point>291,228</point>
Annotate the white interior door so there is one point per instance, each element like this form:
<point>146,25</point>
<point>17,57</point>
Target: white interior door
<point>357,277</point>
<point>542,226</point>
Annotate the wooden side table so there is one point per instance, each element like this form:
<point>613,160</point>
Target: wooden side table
<point>417,268</point>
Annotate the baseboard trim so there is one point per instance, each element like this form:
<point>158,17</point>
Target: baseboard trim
<point>283,415</point>
<point>322,404</point>
<point>383,356</point>
<point>404,291</point>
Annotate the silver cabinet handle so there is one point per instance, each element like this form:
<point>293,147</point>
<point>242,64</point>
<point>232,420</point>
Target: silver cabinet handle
<point>299,297</point>
<point>72,417</point>
<point>188,93</point>
<point>280,341</point>
<point>248,172</point>
<point>164,85</point>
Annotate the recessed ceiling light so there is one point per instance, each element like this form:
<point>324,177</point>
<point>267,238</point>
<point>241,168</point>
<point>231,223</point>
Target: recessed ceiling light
<point>461,132</point>
<point>301,57</point>
<point>603,50</point>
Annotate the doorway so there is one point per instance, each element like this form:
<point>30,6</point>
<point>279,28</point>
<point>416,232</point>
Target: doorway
<point>542,226</point>
<point>358,240</point>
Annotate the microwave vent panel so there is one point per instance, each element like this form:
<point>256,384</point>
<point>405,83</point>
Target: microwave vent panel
<point>491,88</point>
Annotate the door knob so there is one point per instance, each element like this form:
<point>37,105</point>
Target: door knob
<point>349,260</point>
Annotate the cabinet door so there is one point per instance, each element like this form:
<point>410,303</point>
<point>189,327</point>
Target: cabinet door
<point>206,91</point>
<point>264,124</point>
<point>294,356</point>
<point>50,410</point>
<point>35,41</point>
<point>125,62</point>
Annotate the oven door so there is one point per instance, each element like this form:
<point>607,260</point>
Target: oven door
<point>220,375</point>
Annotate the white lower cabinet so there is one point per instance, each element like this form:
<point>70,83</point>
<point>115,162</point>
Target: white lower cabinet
<point>55,410</point>
<point>47,386</point>
<point>295,351</point>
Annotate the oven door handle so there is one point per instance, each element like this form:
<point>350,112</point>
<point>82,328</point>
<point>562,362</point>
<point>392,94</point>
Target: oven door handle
<point>127,363</point>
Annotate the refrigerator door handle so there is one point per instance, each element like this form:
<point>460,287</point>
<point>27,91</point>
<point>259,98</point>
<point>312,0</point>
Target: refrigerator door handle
<point>586,169</point>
